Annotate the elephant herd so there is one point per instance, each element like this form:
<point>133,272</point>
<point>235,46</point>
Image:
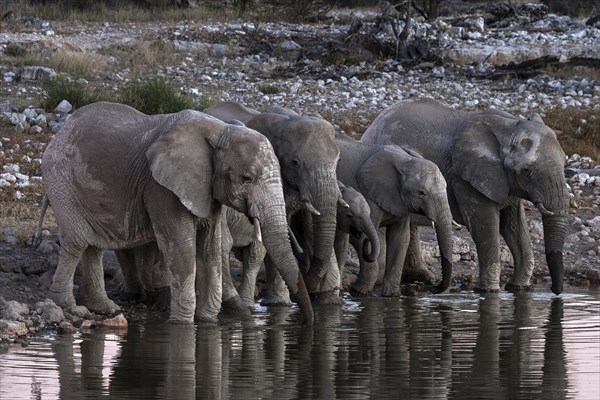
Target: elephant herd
<point>174,194</point>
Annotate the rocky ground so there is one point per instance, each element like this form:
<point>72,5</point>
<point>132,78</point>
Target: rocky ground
<point>335,69</point>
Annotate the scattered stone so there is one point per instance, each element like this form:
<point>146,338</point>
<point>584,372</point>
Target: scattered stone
<point>66,327</point>
<point>49,312</point>
<point>64,107</point>
<point>35,73</point>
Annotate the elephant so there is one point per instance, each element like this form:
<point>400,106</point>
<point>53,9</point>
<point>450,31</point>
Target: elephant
<point>395,184</point>
<point>492,161</point>
<point>308,157</point>
<point>354,226</point>
<point>146,278</point>
<point>117,178</point>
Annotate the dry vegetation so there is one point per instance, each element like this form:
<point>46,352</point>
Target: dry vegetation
<point>578,130</point>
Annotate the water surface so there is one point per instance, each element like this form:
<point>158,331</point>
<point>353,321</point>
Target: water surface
<point>494,346</point>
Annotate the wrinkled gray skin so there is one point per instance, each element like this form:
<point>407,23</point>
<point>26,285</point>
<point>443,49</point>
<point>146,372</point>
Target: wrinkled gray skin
<point>396,184</point>
<point>491,161</point>
<point>308,157</point>
<point>117,179</point>
<point>354,226</point>
<point>146,279</point>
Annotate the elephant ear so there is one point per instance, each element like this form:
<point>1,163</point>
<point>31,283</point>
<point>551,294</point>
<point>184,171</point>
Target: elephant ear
<point>475,158</point>
<point>268,124</point>
<point>181,160</point>
<point>535,117</point>
<point>380,180</point>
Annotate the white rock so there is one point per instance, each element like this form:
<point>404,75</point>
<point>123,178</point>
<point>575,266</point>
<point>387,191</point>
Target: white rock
<point>63,107</point>
<point>8,178</point>
<point>12,168</point>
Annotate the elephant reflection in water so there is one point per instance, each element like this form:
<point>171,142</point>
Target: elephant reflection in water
<point>510,371</point>
<point>78,375</point>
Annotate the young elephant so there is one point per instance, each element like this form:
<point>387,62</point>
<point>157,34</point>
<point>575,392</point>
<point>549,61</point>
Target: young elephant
<point>117,178</point>
<point>491,160</point>
<point>354,226</point>
<point>395,184</point>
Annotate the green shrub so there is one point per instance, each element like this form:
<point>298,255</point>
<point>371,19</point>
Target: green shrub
<point>268,89</point>
<point>155,96</point>
<point>78,94</point>
<point>14,50</point>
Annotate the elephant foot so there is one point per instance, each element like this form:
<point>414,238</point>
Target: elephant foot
<point>486,289</point>
<point>420,274</point>
<point>160,298</point>
<point>389,290</point>
<point>331,297</point>
<point>275,301</point>
<point>249,303</point>
<point>103,306</point>
<point>235,307</point>
<point>359,291</point>
<point>512,287</point>
<point>62,298</point>
<point>312,282</point>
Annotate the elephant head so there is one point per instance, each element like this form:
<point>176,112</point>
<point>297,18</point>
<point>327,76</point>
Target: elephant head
<point>207,161</point>
<point>402,183</point>
<point>308,157</point>
<point>356,220</point>
<point>501,155</point>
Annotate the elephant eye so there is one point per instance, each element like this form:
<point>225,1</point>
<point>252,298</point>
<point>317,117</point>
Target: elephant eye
<point>295,163</point>
<point>421,193</point>
<point>247,178</point>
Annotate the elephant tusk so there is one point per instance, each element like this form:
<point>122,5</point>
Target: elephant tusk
<point>543,210</point>
<point>343,202</point>
<point>257,231</point>
<point>308,205</point>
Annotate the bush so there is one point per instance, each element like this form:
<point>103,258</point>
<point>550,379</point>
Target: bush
<point>77,94</point>
<point>578,130</point>
<point>155,96</point>
<point>14,50</point>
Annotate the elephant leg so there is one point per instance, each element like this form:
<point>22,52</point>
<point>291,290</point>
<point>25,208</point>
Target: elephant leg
<point>484,228</point>
<point>209,274</point>
<point>61,290</point>
<point>252,258</point>
<point>414,268</point>
<point>329,289</point>
<point>513,227</point>
<point>397,239</point>
<point>367,273</point>
<point>231,301</point>
<point>133,288</point>
<point>92,290</point>
<point>277,292</point>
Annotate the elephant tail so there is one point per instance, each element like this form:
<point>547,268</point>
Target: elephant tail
<point>36,238</point>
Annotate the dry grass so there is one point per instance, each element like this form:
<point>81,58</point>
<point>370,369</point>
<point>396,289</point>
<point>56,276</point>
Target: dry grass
<point>566,123</point>
<point>96,11</point>
<point>78,64</point>
<point>349,123</point>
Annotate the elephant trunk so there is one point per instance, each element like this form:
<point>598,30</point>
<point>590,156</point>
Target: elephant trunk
<point>372,240</point>
<point>555,229</point>
<point>554,205</point>
<point>324,228</point>
<point>277,243</point>
<point>443,229</point>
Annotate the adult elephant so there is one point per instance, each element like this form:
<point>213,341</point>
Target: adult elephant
<point>396,183</point>
<point>308,157</point>
<point>117,178</point>
<point>492,161</point>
